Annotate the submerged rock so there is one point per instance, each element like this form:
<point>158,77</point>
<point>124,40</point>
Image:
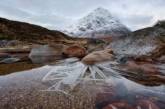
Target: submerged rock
<point>13,43</point>
<point>4,55</point>
<point>10,60</point>
<point>98,56</point>
<point>146,68</point>
<point>119,105</point>
<point>26,89</point>
<point>43,53</point>
<point>75,51</point>
<point>162,59</point>
<point>3,43</point>
<point>146,104</point>
<point>141,104</point>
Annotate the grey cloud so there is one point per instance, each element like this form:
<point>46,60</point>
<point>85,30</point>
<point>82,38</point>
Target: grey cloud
<point>6,11</point>
<point>135,21</point>
<point>55,13</point>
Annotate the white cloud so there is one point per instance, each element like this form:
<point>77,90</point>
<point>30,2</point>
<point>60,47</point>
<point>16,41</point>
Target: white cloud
<point>133,13</point>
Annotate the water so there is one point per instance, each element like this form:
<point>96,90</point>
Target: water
<point>28,90</point>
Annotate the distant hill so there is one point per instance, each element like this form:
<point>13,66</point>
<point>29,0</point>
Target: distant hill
<point>33,34</point>
<point>14,30</point>
<point>142,41</point>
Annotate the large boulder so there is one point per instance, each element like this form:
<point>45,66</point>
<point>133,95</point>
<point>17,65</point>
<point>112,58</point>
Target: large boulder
<point>98,56</point>
<point>74,51</point>
<point>44,53</point>
<point>13,43</point>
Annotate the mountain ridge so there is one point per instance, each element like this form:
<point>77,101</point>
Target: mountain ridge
<point>16,30</point>
<point>98,23</point>
<point>143,41</point>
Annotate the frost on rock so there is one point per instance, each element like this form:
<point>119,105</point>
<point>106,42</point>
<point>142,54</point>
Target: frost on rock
<point>69,75</point>
<point>131,46</point>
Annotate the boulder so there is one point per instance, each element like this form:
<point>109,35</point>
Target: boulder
<point>98,56</point>
<point>9,60</point>
<point>74,51</point>
<point>161,59</point>
<point>119,105</point>
<point>13,43</point>
<point>146,104</point>
<point>4,55</point>
<point>145,68</point>
<point>3,43</point>
<point>44,54</point>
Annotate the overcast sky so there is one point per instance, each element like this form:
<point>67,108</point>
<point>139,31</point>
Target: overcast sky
<point>55,13</point>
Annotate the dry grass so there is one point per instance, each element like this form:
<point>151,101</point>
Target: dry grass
<point>16,67</point>
<point>36,99</point>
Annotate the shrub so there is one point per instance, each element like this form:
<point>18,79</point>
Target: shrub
<point>5,37</point>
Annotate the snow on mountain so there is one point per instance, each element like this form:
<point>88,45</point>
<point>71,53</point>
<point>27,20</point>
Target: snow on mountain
<point>99,23</point>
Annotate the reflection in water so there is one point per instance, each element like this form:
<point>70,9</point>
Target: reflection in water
<point>25,90</point>
<point>128,94</point>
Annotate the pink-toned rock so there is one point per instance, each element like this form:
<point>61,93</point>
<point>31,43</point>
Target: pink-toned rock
<point>4,55</point>
<point>98,56</point>
<point>119,105</point>
<point>147,68</point>
<point>75,51</point>
<point>162,59</point>
<point>146,104</point>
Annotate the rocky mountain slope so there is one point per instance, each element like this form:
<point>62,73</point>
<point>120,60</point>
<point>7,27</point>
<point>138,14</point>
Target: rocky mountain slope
<point>97,24</point>
<point>142,41</point>
<point>14,30</point>
<point>25,34</point>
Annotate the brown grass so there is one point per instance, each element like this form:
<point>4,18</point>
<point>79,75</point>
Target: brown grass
<point>16,67</point>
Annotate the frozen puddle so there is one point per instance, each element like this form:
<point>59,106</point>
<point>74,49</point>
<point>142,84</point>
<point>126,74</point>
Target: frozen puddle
<point>70,72</point>
<point>71,83</point>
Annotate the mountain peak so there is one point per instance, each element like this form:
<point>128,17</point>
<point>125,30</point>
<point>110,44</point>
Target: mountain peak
<point>98,23</point>
<point>100,12</point>
<point>101,9</point>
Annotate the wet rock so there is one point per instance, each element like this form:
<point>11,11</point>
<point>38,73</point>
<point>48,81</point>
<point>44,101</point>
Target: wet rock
<point>43,53</point>
<point>24,59</point>
<point>13,43</point>
<point>10,60</point>
<point>122,59</point>
<point>103,98</point>
<point>98,56</point>
<point>74,51</point>
<point>3,43</point>
<point>146,68</point>
<point>146,104</point>
<point>4,55</point>
<point>119,105</point>
<point>144,59</point>
<point>15,50</point>
<point>146,73</point>
<point>162,59</point>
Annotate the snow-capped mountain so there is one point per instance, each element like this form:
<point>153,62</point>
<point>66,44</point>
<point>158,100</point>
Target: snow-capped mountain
<point>97,24</point>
